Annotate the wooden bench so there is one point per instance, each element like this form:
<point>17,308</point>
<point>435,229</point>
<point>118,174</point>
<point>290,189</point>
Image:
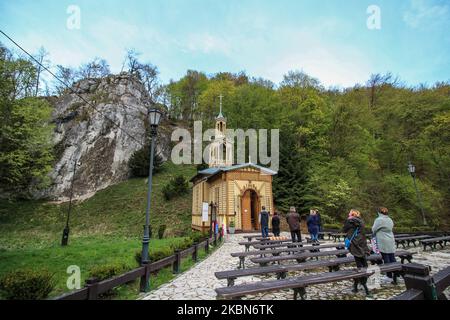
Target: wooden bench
<point>248,244</point>
<point>256,237</point>
<point>411,294</point>
<point>433,242</point>
<point>420,286</point>
<point>281,270</point>
<point>278,245</point>
<point>406,241</point>
<point>277,251</point>
<point>337,236</point>
<point>322,234</point>
<point>300,257</point>
<point>299,284</point>
<point>442,280</point>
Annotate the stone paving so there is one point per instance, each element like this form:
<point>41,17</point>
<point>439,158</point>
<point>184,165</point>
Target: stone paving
<point>199,282</point>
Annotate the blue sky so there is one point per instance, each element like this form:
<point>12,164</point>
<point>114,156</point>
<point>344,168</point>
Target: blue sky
<point>328,39</point>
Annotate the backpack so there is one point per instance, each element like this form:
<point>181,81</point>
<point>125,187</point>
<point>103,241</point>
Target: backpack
<point>348,241</point>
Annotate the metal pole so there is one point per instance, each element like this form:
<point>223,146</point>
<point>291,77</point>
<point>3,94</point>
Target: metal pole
<point>146,239</point>
<point>66,231</point>
<point>210,220</point>
<point>420,200</point>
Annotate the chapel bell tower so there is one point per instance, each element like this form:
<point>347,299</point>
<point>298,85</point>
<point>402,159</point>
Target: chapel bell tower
<point>221,152</point>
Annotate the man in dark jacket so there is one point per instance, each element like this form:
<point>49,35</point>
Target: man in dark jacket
<point>276,224</point>
<point>293,220</point>
<point>354,229</point>
<point>264,221</point>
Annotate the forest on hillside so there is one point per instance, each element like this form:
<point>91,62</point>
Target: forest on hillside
<point>339,148</point>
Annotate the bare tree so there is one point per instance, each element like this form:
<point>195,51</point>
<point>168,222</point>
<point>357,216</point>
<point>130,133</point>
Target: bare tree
<point>44,62</point>
<point>131,61</point>
<point>67,75</point>
<point>97,68</point>
<point>376,83</point>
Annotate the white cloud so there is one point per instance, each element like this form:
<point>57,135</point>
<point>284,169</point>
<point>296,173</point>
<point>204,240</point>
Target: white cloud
<point>422,12</point>
<point>206,43</point>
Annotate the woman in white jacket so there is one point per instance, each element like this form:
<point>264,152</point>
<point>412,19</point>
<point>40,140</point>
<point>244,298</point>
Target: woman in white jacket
<point>382,230</point>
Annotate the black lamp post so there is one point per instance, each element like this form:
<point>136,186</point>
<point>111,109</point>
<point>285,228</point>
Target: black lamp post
<point>65,236</point>
<point>154,118</point>
<point>412,171</point>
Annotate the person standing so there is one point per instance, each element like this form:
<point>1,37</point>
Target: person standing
<point>382,230</point>
<point>276,224</point>
<point>264,222</point>
<point>320,224</point>
<point>293,220</point>
<point>354,228</point>
<point>313,226</point>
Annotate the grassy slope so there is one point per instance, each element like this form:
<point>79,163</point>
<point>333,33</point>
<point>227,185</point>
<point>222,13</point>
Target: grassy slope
<point>106,228</point>
<point>117,211</point>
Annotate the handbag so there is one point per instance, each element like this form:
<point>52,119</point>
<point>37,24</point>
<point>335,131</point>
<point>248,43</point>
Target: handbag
<point>348,241</point>
<point>374,244</point>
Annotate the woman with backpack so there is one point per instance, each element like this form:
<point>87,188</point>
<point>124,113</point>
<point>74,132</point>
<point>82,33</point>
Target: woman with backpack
<point>355,237</point>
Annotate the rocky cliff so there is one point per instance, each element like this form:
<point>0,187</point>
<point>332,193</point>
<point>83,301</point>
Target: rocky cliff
<point>100,136</point>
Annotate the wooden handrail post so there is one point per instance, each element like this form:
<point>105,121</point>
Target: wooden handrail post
<point>207,245</point>
<point>92,285</point>
<point>195,252</point>
<point>145,279</point>
<point>177,262</point>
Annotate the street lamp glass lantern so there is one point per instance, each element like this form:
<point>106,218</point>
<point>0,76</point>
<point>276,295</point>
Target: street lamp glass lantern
<point>411,168</point>
<point>155,117</point>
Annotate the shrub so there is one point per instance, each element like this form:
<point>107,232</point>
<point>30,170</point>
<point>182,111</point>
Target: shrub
<point>107,271</point>
<point>140,161</point>
<point>232,224</point>
<point>27,285</point>
<point>332,226</point>
<point>422,229</point>
<point>161,230</point>
<point>186,243</point>
<point>176,187</point>
<point>198,236</point>
<point>103,272</point>
<point>155,254</point>
<point>402,229</point>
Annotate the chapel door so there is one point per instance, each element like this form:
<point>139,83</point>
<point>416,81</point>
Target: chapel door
<point>246,211</point>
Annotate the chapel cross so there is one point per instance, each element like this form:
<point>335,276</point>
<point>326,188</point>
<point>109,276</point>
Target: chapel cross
<point>220,97</point>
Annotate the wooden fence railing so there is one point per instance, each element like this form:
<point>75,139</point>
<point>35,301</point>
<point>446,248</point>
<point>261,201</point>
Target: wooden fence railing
<point>94,288</point>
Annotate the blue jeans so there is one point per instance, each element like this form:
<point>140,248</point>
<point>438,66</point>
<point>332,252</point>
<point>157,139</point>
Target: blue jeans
<point>265,232</point>
<point>388,258</point>
<point>314,236</point>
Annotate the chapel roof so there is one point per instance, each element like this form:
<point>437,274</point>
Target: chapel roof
<point>210,172</point>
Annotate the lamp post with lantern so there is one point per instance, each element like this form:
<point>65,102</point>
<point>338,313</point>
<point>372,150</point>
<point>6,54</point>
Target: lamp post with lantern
<point>412,172</point>
<point>154,117</point>
<point>66,231</point>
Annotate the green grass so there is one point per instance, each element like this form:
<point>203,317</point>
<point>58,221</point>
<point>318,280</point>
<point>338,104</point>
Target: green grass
<point>118,211</point>
<point>131,291</point>
<point>106,228</point>
<point>85,253</point>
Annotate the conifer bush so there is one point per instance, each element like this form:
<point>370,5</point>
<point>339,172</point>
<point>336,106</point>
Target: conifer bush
<point>27,284</point>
